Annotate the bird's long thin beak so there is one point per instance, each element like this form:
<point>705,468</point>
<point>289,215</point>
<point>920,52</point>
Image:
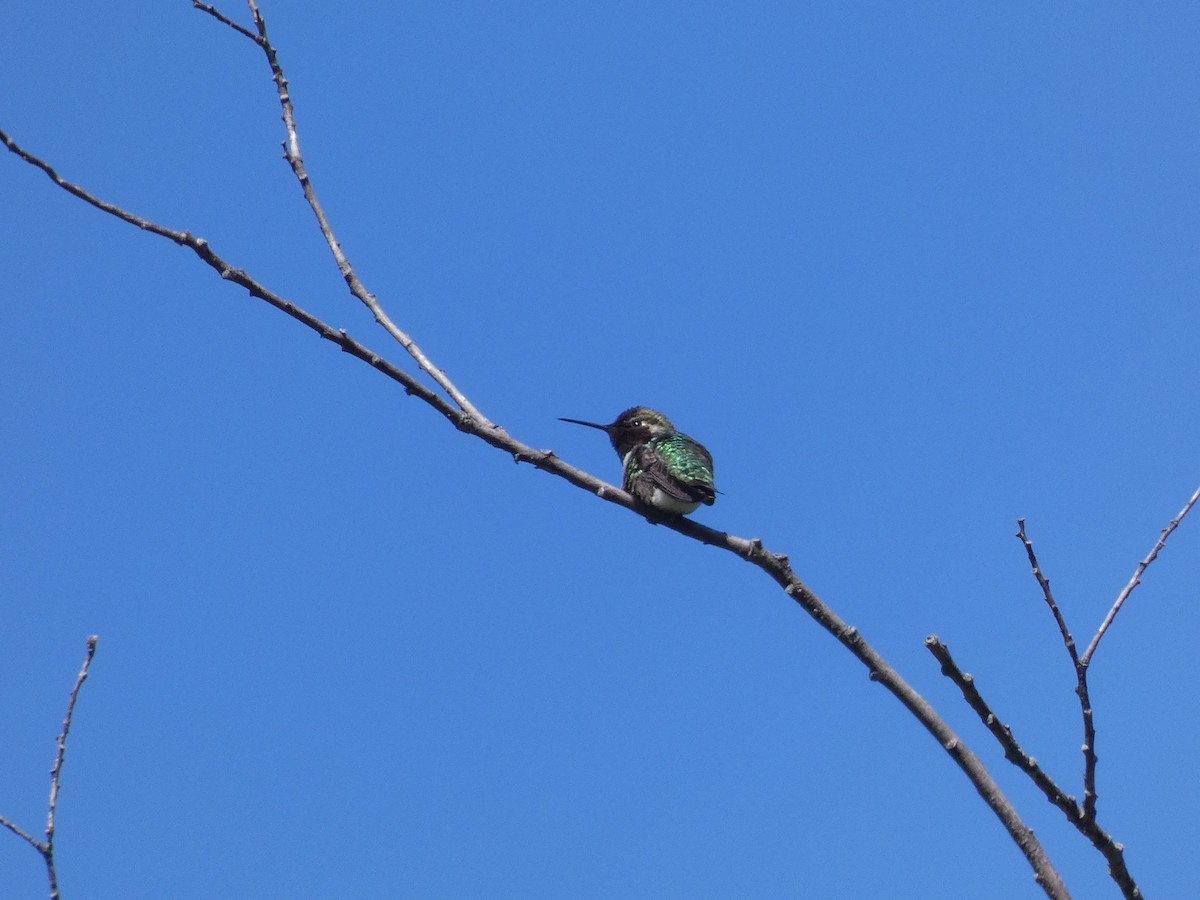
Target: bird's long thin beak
<point>581,422</point>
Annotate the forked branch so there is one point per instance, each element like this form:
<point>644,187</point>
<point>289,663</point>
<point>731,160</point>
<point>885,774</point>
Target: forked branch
<point>1082,817</point>
<point>1111,850</point>
<point>295,159</point>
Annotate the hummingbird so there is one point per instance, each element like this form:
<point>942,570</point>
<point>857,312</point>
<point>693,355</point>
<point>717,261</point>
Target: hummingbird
<point>664,468</point>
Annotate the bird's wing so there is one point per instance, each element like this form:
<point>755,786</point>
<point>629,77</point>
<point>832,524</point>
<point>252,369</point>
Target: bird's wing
<point>692,482</point>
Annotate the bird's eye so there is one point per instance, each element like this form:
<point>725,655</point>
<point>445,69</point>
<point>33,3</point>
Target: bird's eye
<point>636,423</point>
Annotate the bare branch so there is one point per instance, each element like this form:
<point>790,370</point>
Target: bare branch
<point>1081,663</point>
<point>1081,687</point>
<point>1044,582</point>
<point>225,20</point>
<point>295,159</point>
<point>22,834</point>
<point>1083,820</point>
<point>1003,733</point>
<point>227,271</point>
<point>46,848</point>
<point>59,757</point>
<point>1137,577</point>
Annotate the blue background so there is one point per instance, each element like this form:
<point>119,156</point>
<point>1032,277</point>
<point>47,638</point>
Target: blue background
<point>910,271</point>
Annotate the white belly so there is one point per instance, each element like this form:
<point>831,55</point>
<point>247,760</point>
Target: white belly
<point>660,500</point>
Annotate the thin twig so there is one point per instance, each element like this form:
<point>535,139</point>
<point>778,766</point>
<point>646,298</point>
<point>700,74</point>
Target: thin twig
<point>295,159</point>
<point>1088,747</point>
<point>46,848</point>
<point>21,833</point>
<point>225,20</point>
<point>59,757</point>
<point>1044,582</point>
<point>1137,577</point>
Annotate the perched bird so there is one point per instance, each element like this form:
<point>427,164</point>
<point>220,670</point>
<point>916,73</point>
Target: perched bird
<point>664,468</point>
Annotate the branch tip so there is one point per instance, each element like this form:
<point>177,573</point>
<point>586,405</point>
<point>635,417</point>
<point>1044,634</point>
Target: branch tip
<point>1137,576</point>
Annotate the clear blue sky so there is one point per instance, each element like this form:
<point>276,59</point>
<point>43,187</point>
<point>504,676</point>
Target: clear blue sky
<point>909,270</point>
